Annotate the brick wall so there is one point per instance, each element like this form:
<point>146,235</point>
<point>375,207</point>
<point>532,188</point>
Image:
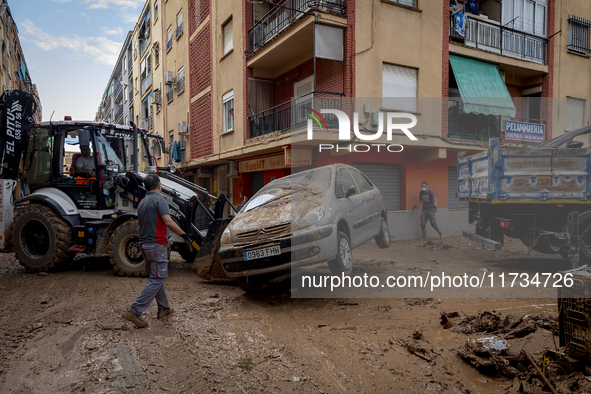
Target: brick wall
<point>201,127</point>
<point>548,79</point>
<point>445,70</point>
<point>200,77</point>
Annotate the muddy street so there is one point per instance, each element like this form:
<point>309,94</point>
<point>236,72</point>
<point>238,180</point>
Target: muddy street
<point>63,332</point>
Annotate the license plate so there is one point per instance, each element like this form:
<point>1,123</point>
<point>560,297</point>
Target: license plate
<point>263,252</point>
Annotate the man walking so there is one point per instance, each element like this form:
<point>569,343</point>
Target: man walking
<point>427,198</point>
<point>154,219</point>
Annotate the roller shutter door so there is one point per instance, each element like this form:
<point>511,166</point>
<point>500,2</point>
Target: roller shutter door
<point>257,181</point>
<point>386,177</point>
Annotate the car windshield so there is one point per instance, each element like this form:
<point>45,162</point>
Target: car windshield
<point>313,181</point>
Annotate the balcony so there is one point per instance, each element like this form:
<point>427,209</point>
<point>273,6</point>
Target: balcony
<point>490,36</point>
<point>178,31</point>
<point>118,91</point>
<point>144,45</point>
<point>279,18</point>
<point>107,106</point>
<point>118,115</point>
<point>291,115</point>
<point>147,123</point>
<point>146,83</point>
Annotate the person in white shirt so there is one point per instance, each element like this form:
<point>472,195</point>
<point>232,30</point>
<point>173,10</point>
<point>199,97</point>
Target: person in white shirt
<point>85,163</point>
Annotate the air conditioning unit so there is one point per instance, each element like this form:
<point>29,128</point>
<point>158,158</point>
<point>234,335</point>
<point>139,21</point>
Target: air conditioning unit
<point>232,169</point>
<point>183,129</point>
<point>156,97</point>
<point>169,78</point>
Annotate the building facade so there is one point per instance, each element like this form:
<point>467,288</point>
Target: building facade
<point>14,73</point>
<point>467,71</point>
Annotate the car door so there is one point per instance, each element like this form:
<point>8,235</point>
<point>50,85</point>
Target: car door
<point>371,223</point>
<point>354,209</point>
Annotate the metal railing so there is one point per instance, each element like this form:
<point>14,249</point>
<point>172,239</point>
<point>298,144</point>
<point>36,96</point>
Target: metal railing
<point>492,37</point>
<point>284,14</point>
<point>147,123</point>
<point>107,105</point>
<point>579,35</point>
<point>178,31</point>
<point>146,83</point>
<point>118,87</point>
<point>144,45</point>
<point>180,85</point>
<point>474,127</point>
<point>292,115</point>
<point>118,115</point>
<point>168,44</point>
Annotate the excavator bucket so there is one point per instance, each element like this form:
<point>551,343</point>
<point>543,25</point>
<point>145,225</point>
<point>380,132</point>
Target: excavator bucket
<point>207,265</point>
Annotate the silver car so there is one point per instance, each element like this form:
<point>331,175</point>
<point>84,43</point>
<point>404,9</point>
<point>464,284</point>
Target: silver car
<point>314,216</point>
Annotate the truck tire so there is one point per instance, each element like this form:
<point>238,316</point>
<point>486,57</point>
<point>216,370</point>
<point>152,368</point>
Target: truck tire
<point>383,238</point>
<point>125,252</point>
<point>343,262</point>
<point>41,238</point>
<point>584,241</point>
<point>543,247</point>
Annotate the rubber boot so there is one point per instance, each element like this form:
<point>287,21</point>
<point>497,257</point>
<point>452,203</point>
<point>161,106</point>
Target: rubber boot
<point>424,231</point>
<point>440,233</point>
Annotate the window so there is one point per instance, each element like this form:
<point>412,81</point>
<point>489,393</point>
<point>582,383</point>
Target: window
<point>410,3</point>
<point>180,86</point>
<point>362,182</point>
<point>156,55</point>
<point>228,43</point>
<point>169,38</point>
<point>179,24</point>
<point>575,113</point>
<point>169,93</point>
<point>155,10</point>
<point>399,88</point>
<point>578,35</point>
<point>525,15</point>
<point>344,182</point>
<point>228,108</point>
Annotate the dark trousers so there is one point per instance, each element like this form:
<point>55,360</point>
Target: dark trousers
<point>156,257</point>
<point>428,214</point>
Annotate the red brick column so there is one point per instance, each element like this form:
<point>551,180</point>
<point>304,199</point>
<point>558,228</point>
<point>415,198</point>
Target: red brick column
<point>548,79</point>
<point>445,70</point>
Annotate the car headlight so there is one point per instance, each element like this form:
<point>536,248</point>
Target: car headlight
<point>312,217</point>
<point>226,237</point>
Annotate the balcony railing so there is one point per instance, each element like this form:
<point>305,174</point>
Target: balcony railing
<point>118,87</point>
<point>491,36</point>
<point>292,115</point>
<point>178,31</point>
<point>146,83</point>
<point>147,123</point>
<point>474,127</point>
<point>145,43</point>
<point>107,105</point>
<point>118,115</point>
<point>280,17</point>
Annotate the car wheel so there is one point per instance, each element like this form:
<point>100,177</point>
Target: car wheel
<point>343,262</point>
<point>383,238</point>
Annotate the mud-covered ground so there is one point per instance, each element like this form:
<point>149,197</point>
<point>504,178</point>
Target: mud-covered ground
<point>62,332</point>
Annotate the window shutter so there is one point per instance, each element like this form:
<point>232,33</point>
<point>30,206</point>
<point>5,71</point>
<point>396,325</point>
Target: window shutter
<point>228,39</point>
<point>575,111</point>
<point>399,87</point>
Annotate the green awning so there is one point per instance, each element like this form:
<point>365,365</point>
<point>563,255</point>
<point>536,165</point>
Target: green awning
<point>482,87</point>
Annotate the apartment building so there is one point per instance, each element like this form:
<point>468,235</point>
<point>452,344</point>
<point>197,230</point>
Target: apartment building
<point>14,73</point>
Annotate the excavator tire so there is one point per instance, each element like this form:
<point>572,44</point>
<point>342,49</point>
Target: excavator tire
<point>41,238</point>
<point>207,265</point>
<point>125,252</point>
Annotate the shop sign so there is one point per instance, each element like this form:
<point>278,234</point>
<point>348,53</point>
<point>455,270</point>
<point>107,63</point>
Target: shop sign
<point>263,164</point>
<point>522,131</point>
<point>298,157</point>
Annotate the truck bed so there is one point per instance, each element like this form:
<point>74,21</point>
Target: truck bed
<point>525,174</point>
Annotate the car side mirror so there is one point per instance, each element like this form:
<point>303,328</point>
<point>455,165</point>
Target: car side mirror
<point>351,191</point>
<point>575,145</point>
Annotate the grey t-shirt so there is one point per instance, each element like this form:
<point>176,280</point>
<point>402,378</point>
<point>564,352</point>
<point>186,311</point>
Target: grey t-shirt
<point>428,199</point>
<point>152,228</point>
<point>85,163</point>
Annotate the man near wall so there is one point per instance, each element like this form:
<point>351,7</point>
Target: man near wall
<point>427,198</point>
<point>154,220</point>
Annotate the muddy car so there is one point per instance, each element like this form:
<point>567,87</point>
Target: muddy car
<point>311,217</point>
